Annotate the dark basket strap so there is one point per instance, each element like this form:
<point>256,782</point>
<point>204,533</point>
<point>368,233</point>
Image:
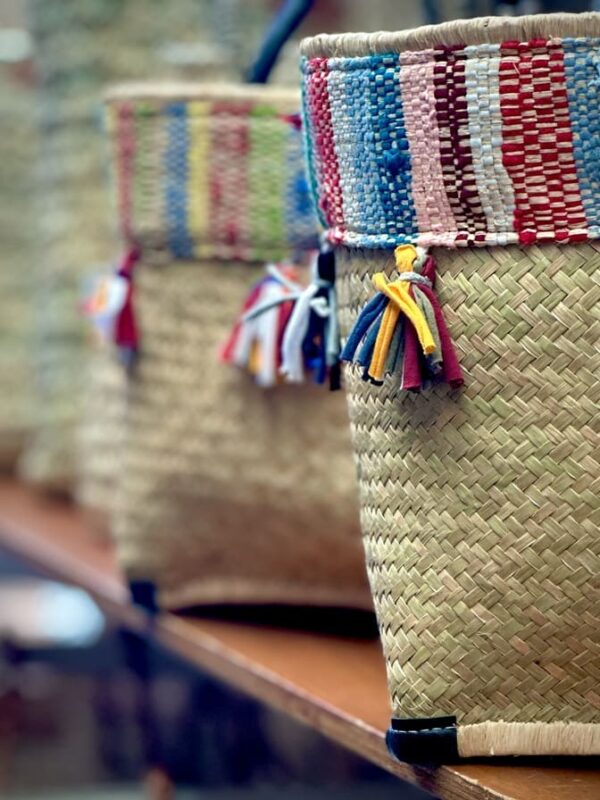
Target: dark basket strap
<point>285,21</point>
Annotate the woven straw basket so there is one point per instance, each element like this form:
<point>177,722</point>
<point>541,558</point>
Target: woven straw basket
<point>228,493</point>
<point>79,48</point>
<point>479,504</point>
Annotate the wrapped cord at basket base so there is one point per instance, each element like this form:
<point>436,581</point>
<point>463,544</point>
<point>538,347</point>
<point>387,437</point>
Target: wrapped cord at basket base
<point>230,494</point>
<point>479,508</point>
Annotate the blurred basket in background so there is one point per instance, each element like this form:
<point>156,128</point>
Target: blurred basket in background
<point>479,505</point>
<point>227,493</point>
<point>80,47</point>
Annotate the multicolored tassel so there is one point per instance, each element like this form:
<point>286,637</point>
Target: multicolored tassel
<point>286,330</point>
<point>256,339</point>
<point>312,339</point>
<point>402,330</point>
<point>104,297</point>
<point>109,306</point>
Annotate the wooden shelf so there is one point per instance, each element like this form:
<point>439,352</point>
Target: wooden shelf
<point>335,685</point>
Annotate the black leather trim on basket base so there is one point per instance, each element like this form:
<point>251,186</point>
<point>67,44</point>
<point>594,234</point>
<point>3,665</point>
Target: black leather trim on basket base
<point>423,741</point>
<point>144,594</point>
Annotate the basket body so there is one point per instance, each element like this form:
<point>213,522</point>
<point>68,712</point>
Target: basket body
<point>222,495</point>
<point>479,505</point>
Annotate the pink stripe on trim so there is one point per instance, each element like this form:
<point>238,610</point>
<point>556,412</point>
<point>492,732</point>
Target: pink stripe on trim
<point>238,144</point>
<point>322,127</point>
<point>433,210</point>
<point>228,182</point>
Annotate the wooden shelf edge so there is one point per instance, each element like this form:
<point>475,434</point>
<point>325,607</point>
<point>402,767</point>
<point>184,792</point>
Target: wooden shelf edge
<point>54,539</point>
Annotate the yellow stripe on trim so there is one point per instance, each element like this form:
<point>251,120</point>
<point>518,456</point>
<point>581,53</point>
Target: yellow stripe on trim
<point>199,132</point>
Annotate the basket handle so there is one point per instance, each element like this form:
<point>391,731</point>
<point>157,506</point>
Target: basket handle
<point>283,24</point>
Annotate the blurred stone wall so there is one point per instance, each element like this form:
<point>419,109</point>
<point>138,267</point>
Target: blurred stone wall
<point>17,152</point>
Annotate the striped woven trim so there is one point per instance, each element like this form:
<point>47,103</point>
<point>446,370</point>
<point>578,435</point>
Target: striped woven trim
<point>209,178</point>
<point>484,144</point>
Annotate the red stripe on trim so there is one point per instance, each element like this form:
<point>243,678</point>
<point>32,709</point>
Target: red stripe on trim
<point>228,179</point>
<point>537,143</point>
<point>455,145</point>
<point>331,200</point>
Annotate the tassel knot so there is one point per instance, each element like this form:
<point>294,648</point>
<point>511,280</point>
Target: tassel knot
<point>402,330</point>
<point>415,277</point>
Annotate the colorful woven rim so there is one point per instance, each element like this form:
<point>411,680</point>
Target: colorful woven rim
<point>484,143</point>
<point>211,172</point>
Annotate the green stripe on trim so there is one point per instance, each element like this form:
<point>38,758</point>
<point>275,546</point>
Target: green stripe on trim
<point>146,169</point>
<point>266,183</point>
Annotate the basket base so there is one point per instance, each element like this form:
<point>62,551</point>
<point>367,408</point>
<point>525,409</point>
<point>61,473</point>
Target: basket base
<point>232,591</point>
<point>441,741</point>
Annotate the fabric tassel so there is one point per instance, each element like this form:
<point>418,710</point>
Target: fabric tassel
<point>109,306</point>
<point>311,342</point>
<point>402,330</point>
<point>286,330</point>
<point>256,339</point>
<point>126,335</point>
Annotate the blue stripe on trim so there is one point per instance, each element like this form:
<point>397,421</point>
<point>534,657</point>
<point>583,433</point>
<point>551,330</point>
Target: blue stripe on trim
<point>582,73</point>
<point>390,147</point>
<point>176,181</point>
<point>351,118</point>
<point>300,221</point>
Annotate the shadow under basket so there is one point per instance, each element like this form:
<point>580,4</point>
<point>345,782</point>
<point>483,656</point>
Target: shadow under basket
<point>479,504</point>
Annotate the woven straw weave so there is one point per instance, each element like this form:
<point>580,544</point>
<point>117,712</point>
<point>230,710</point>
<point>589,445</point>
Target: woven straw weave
<point>99,436</point>
<point>229,493</point>
<point>479,505</point>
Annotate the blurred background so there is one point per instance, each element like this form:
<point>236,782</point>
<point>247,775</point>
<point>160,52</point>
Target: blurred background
<point>74,688</point>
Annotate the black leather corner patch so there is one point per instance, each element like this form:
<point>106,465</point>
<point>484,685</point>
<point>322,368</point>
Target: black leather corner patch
<point>143,593</point>
<point>423,741</point>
